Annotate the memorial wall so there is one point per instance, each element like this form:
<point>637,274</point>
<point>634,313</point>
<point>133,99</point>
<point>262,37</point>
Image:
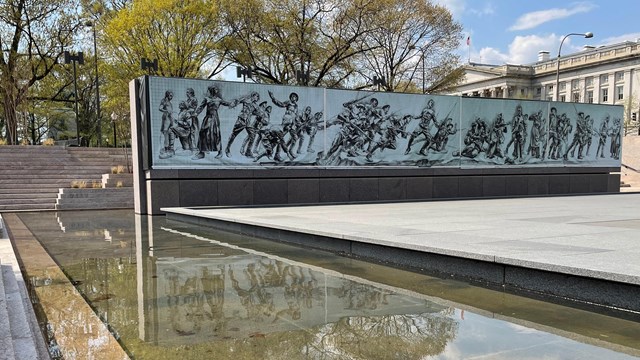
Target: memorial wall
<point>211,124</point>
<point>197,130</point>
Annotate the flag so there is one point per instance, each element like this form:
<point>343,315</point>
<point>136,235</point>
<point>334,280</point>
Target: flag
<point>468,40</point>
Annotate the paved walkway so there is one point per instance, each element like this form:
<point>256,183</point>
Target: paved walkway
<point>20,337</point>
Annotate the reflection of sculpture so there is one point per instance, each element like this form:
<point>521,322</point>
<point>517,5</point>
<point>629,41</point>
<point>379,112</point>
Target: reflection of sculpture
<point>360,296</point>
<point>256,300</point>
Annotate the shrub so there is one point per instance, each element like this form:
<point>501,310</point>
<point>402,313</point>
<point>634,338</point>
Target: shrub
<point>49,142</point>
<point>119,184</point>
<point>117,169</point>
<point>78,184</point>
<point>96,184</point>
<point>3,141</point>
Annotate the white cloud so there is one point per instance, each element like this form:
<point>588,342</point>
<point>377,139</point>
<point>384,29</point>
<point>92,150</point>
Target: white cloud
<point>487,9</point>
<point>457,7</point>
<point>617,39</point>
<point>522,50</point>
<point>489,55</point>
<point>535,18</point>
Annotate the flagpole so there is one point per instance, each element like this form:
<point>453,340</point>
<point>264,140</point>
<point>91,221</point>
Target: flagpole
<point>469,49</point>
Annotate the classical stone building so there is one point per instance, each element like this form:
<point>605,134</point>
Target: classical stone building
<point>602,75</point>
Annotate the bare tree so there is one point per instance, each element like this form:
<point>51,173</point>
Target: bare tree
<point>33,36</point>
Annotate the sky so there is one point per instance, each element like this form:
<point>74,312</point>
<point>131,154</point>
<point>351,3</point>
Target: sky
<point>513,32</point>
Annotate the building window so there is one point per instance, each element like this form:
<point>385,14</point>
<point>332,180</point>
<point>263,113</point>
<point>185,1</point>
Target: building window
<point>563,86</point>
<point>575,97</point>
<point>620,92</point>
<point>588,81</point>
<point>538,91</point>
<point>619,76</point>
<point>605,95</point>
<point>563,98</point>
<point>575,84</point>
<point>604,79</point>
<point>590,96</point>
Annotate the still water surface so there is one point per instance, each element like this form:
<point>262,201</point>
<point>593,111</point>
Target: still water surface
<point>169,290</point>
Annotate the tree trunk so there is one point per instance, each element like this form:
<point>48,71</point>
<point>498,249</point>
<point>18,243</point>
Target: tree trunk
<point>11,118</point>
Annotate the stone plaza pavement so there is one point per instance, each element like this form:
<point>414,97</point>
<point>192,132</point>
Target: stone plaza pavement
<point>594,237</point>
<point>20,336</point>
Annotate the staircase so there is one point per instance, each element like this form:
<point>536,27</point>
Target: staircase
<point>31,176</point>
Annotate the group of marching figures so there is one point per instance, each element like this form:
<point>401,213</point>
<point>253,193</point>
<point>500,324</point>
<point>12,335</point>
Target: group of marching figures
<point>366,128</point>
<point>553,140</point>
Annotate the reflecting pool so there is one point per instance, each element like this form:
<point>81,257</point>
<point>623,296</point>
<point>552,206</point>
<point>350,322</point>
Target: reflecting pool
<point>169,290</point>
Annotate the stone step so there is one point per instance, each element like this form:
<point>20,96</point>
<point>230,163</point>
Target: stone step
<point>51,174</point>
<point>26,201</point>
<point>28,161</point>
<point>33,189</point>
<point>31,176</point>
<point>10,173</point>
<point>63,182</point>
<point>23,341</point>
<point>6,341</point>
<point>29,207</point>
<point>8,149</point>
<point>8,169</point>
<point>106,198</point>
<point>21,189</point>
<point>27,195</point>
<point>112,180</point>
<point>83,194</point>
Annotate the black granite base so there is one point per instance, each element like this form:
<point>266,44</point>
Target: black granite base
<point>233,187</point>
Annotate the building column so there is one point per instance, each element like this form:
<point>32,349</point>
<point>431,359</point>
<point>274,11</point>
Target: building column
<point>596,89</point>
<point>628,84</point>
<point>612,88</point>
<point>505,92</point>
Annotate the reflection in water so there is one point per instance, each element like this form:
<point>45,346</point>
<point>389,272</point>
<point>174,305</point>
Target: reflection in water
<point>245,296</point>
<point>168,293</point>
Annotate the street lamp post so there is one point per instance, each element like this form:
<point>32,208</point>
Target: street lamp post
<point>114,117</point>
<point>68,59</point>
<point>587,35</point>
<point>95,55</point>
